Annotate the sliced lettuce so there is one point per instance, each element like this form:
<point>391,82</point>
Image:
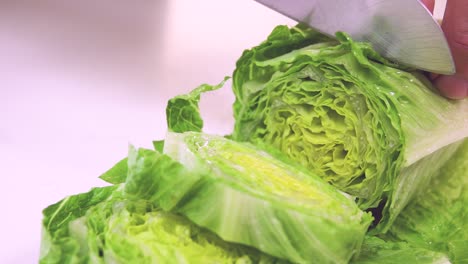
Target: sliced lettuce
<point>246,196</point>
<point>102,226</point>
<point>413,180</point>
<point>117,174</point>
<point>438,217</point>
<point>344,112</point>
<point>158,178</point>
<point>182,112</point>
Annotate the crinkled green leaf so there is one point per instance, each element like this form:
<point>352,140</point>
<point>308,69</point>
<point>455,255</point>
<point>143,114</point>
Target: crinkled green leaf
<point>378,251</point>
<point>57,216</point>
<point>158,145</point>
<point>157,178</point>
<point>182,111</point>
<point>246,196</point>
<point>117,174</point>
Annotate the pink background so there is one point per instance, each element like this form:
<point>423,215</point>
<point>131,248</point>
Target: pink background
<point>80,80</point>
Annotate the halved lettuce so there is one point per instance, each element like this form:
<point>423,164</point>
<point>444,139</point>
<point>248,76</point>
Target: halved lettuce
<point>344,112</point>
<point>246,196</point>
<point>102,226</point>
<point>438,217</point>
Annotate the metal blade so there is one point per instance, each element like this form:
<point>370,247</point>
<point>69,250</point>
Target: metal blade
<point>400,30</point>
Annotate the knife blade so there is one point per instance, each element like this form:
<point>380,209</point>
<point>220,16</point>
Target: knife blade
<point>403,31</point>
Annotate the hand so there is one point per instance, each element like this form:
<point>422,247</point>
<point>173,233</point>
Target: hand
<point>455,27</point>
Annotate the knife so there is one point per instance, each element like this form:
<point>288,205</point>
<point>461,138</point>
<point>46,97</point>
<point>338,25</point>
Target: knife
<point>403,31</point>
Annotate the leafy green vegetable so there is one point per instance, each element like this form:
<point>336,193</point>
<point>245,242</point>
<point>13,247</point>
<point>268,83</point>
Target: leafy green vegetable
<point>157,178</point>
<point>377,251</point>
<point>182,111</point>
<point>58,244</point>
<point>246,196</point>
<point>438,218</point>
<point>117,173</point>
<point>101,226</point>
<point>344,112</point>
<point>414,179</point>
<point>158,145</point>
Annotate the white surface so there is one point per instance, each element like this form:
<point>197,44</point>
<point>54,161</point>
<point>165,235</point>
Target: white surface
<point>80,80</point>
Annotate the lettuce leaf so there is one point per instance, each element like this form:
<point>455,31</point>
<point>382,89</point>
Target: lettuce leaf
<point>182,112</point>
<point>413,180</point>
<point>59,244</point>
<point>117,174</point>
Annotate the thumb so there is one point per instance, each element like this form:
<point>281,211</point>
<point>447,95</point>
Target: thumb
<point>455,26</point>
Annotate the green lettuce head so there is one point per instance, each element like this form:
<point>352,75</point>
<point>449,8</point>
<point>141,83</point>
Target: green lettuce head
<point>341,110</point>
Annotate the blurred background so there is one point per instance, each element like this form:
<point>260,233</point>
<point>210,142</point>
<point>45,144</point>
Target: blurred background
<point>80,80</point>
